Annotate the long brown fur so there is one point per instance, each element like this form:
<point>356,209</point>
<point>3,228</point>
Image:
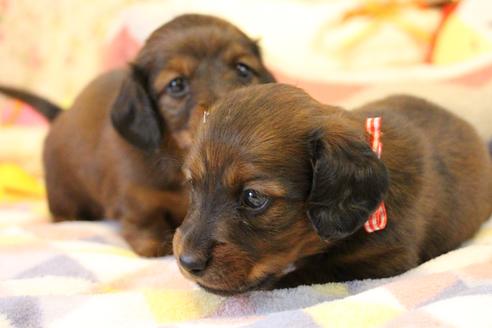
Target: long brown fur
<point>117,152</point>
<point>322,181</point>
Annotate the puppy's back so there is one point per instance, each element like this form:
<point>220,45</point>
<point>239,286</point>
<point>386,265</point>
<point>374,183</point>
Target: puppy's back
<point>73,139</point>
<point>456,193</point>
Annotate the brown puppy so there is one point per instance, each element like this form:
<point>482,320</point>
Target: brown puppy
<point>283,185</point>
<point>117,153</point>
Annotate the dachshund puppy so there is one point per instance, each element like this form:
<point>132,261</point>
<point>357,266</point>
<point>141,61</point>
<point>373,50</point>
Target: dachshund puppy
<point>117,153</point>
<point>285,190</point>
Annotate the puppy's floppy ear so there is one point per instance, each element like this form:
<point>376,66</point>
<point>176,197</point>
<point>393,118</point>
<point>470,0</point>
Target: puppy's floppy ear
<point>135,115</point>
<point>348,183</point>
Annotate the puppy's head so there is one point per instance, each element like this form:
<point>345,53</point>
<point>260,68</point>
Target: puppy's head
<point>275,177</point>
<point>184,66</point>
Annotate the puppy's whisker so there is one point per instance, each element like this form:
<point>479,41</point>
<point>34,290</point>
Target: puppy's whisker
<point>205,116</point>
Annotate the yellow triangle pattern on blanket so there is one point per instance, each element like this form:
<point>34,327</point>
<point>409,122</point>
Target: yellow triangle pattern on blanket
<point>351,313</point>
<point>168,306</point>
<point>332,289</point>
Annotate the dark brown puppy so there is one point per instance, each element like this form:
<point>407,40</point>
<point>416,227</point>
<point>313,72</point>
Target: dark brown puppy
<point>282,186</point>
<point>117,153</point>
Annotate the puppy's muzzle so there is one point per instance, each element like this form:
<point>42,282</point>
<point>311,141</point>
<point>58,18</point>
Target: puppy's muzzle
<point>184,137</point>
<point>195,264</point>
<point>193,257</point>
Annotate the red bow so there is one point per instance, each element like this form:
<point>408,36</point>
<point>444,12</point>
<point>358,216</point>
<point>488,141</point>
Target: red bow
<point>378,219</point>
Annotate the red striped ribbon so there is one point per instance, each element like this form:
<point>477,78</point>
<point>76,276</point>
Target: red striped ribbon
<point>378,219</point>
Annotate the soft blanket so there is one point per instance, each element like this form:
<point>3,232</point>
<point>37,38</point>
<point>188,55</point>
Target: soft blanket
<point>82,274</point>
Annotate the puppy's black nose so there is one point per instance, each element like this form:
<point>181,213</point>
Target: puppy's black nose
<point>194,264</point>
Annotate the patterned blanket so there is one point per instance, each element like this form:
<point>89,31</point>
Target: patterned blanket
<point>82,274</point>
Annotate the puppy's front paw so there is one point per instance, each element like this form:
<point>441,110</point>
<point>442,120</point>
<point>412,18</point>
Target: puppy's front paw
<point>148,246</point>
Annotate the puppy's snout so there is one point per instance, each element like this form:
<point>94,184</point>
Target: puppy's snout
<point>193,254</point>
<point>194,263</point>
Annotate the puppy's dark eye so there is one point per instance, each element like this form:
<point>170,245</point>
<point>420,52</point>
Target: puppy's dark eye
<point>254,200</point>
<point>178,87</point>
<point>244,72</point>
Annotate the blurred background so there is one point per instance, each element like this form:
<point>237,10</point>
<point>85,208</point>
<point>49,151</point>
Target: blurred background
<point>343,52</point>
